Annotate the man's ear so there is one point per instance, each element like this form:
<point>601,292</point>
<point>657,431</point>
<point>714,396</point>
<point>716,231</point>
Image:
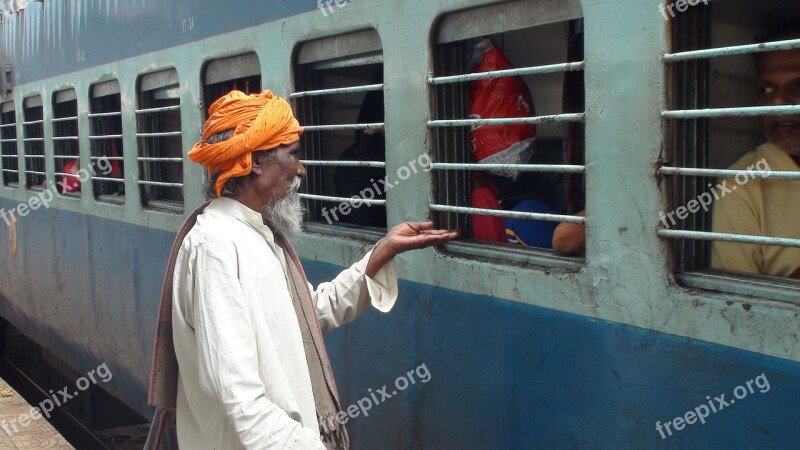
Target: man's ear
<point>257,165</point>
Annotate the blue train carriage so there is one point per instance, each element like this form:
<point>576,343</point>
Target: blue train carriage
<point>637,343</point>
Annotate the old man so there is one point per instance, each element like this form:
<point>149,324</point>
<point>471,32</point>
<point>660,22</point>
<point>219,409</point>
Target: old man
<point>252,371</point>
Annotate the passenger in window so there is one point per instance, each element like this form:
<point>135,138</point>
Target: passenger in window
<point>570,238</point>
<point>764,207</point>
<point>369,145</point>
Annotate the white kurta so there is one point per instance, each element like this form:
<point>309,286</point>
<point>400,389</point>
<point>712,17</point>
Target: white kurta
<point>244,381</point>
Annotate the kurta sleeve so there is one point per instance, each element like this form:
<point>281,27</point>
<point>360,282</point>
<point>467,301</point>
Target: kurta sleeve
<point>228,357</point>
<point>346,297</point>
<point>735,214</point>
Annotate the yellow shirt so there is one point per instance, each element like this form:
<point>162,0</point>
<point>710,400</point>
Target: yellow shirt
<point>760,207</point>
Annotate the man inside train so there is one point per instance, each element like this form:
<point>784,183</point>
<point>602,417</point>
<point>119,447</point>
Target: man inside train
<point>764,207</point>
<point>252,369</point>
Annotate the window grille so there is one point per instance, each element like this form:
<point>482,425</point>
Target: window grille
<point>712,67</point>
<point>241,72</point>
<point>339,103</point>
<point>8,144</point>
<point>33,142</point>
<point>544,42</point>
<point>65,140</point>
<point>158,126</point>
<point>106,143</point>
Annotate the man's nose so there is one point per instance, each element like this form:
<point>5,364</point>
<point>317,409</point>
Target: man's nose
<point>301,172</point>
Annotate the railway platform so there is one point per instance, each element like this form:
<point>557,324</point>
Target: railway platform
<point>19,429</point>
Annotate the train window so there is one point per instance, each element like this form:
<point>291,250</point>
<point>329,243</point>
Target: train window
<point>735,79</point>
<point>106,143</point>
<point>508,104</point>
<point>339,102</point>
<point>33,142</point>
<point>8,144</point>
<point>241,72</point>
<point>158,131</point>
<point>65,142</point>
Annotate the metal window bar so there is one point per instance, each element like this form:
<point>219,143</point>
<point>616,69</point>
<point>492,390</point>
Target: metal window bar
<point>732,51</point>
<point>747,111</point>
<point>534,70</point>
<point>374,164</point>
<point>336,91</point>
<point>508,214</point>
<point>33,145</point>
<point>106,141</point>
<point>728,237</point>
<point>9,153</point>
<point>350,200</point>
<point>160,152</point>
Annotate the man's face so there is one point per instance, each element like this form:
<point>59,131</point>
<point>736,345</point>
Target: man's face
<point>779,84</point>
<point>277,183</point>
<point>277,172</point>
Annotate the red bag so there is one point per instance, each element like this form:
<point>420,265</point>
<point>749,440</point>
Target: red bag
<point>484,195</point>
<point>505,97</point>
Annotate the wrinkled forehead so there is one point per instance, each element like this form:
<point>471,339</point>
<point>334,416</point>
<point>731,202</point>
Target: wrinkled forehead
<point>783,64</point>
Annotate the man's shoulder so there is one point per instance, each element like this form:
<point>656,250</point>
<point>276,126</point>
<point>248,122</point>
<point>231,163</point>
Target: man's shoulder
<point>765,157</point>
<point>215,228</point>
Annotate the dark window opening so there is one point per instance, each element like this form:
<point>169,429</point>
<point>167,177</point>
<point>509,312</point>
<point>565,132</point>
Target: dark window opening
<point>344,145</point>
<point>158,126</point>
<point>66,150</point>
<point>108,168</point>
<point>8,144</point>
<point>33,140</point>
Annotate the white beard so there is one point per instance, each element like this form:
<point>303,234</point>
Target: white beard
<point>286,215</point>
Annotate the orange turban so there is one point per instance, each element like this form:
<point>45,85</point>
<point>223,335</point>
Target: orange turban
<point>260,122</point>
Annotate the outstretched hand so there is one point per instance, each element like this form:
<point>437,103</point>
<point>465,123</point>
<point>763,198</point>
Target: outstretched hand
<point>404,237</point>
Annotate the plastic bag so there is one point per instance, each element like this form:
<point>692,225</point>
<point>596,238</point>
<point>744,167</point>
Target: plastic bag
<point>505,97</point>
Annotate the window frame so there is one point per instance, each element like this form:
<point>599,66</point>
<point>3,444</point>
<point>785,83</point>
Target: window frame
<point>108,88</point>
<point>167,80</point>
<point>674,178</point>
<point>30,142</point>
<point>361,47</point>
<point>10,140</point>
<point>58,137</point>
<point>511,16</point>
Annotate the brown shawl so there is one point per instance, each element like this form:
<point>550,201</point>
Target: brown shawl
<point>164,375</point>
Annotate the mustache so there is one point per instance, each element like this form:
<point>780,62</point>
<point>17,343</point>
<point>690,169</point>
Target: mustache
<point>296,184</point>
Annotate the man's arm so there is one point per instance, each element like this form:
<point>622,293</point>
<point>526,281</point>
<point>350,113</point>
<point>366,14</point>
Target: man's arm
<point>374,277</point>
<point>228,358</point>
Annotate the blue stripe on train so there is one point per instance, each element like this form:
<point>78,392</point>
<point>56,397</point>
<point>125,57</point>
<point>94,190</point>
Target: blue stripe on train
<point>512,376</point>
